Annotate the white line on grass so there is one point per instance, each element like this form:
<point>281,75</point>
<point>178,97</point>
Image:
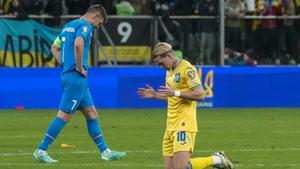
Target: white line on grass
<point>85,164</point>
<point>151,152</point>
<point>263,166</point>
<point>139,165</point>
<point>39,136</point>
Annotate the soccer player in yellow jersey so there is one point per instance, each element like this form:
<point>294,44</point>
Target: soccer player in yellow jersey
<point>183,88</point>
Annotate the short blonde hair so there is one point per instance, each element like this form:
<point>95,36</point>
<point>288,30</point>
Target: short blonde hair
<point>161,49</point>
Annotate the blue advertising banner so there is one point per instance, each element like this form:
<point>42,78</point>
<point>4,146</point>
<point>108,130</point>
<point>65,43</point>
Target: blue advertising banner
<point>26,44</point>
<point>116,87</point>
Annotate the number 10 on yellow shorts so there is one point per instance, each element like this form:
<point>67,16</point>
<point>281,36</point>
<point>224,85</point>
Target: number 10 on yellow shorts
<point>177,141</point>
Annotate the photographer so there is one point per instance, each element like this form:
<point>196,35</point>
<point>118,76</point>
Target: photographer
<point>234,58</point>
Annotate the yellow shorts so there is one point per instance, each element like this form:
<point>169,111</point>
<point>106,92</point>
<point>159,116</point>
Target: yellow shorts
<point>176,141</point>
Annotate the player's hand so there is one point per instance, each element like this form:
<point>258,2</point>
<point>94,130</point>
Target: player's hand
<point>81,71</point>
<point>166,90</point>
<point>147,92</point>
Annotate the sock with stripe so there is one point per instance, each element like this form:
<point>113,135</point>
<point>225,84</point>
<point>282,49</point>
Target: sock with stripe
<point>53,130</point>
<point>96,134</point>
<point>201,162</point>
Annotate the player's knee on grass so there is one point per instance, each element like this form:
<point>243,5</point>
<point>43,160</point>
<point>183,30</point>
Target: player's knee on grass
<point>180,166</point>
<point>181,159</point>
<point>168,162</point>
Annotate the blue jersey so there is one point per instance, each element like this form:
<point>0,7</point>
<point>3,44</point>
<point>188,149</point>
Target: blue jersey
<point>71,30</point>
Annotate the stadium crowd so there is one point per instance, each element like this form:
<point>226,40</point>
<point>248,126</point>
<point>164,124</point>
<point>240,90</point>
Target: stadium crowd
<point>272,41</point>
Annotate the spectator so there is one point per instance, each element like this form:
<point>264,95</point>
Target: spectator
<point>290,32</point>
<point>77,7</point>
<point>186,7</point>
<point>160,8</point>
<point>235,58</point>
<point>1,10</point>
<point>234,10</point>
<point>124,8</point>
<point>297,27</point>
<point>34,7</point>
<point>5,6</point>
<point>54,8</point>
<point>17,10</point>
<point>268,31</point>
<point>248,41</point>
<point>207,29</point>
<point>107,4</point>
<point>142,7</point>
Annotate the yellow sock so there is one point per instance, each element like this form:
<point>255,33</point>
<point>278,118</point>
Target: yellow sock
<point>201,162</point>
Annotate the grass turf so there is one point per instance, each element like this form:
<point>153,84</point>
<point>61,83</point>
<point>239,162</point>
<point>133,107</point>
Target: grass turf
<point>253,138</point>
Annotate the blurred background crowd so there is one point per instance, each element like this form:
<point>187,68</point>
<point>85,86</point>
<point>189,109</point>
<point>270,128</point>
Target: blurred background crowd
<point>247,41</point>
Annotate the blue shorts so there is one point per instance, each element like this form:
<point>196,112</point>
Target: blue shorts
<point>76,93</point>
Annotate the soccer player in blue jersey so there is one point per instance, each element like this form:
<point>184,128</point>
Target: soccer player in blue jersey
<point>71,50</point>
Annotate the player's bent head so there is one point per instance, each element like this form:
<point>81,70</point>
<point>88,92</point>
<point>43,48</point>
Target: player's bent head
<point>163,55</point>
<point>161,49</point>
<point>99,11</point>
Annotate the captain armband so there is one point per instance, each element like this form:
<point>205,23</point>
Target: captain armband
<point>57,42</point>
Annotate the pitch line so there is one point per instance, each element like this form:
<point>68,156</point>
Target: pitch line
<point>84,164</point>
<point>155,152</point>
<point>130,165</point>
<point>40,136</point>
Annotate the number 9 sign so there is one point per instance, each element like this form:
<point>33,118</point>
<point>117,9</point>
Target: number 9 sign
<point>125,30</point>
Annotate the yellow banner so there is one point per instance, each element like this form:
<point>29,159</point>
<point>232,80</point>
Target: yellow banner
<point>127,53</point>
<point>14,59</point>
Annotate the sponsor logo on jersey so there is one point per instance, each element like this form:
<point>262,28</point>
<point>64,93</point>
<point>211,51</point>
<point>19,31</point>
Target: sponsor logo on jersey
<point>68,29</point>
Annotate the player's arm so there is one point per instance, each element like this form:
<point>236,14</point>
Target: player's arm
<point>149,92</point>
<point>192,80</point>
<point>55,49</point>
<point>78,50</point>
<point>196,93</point>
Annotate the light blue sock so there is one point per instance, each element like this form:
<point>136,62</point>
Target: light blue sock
<point>52,132</point>
<point>96,134</point>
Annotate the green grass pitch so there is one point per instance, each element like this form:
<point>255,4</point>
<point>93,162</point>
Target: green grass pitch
<point>253,138</point>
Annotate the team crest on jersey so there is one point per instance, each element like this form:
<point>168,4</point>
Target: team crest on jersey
<point>177,78</point>
<point>191,74</point>
<point>85,29</point>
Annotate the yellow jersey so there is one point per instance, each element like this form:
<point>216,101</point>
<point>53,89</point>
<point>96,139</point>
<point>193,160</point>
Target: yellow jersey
<point>182,112</point>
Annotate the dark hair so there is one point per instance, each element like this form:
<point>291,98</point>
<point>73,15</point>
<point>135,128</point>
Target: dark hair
<point>97,8</point>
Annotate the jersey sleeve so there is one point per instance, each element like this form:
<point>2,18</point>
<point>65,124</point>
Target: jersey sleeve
<point>83,31</point>
<point>191,77</point>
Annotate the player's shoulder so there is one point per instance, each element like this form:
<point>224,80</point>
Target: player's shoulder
<point>187,65</point>
<point>84,26</point>
<point>78,23</point>
<point>189,70</point>
<point>72,22</point>
<point>71,26</point>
